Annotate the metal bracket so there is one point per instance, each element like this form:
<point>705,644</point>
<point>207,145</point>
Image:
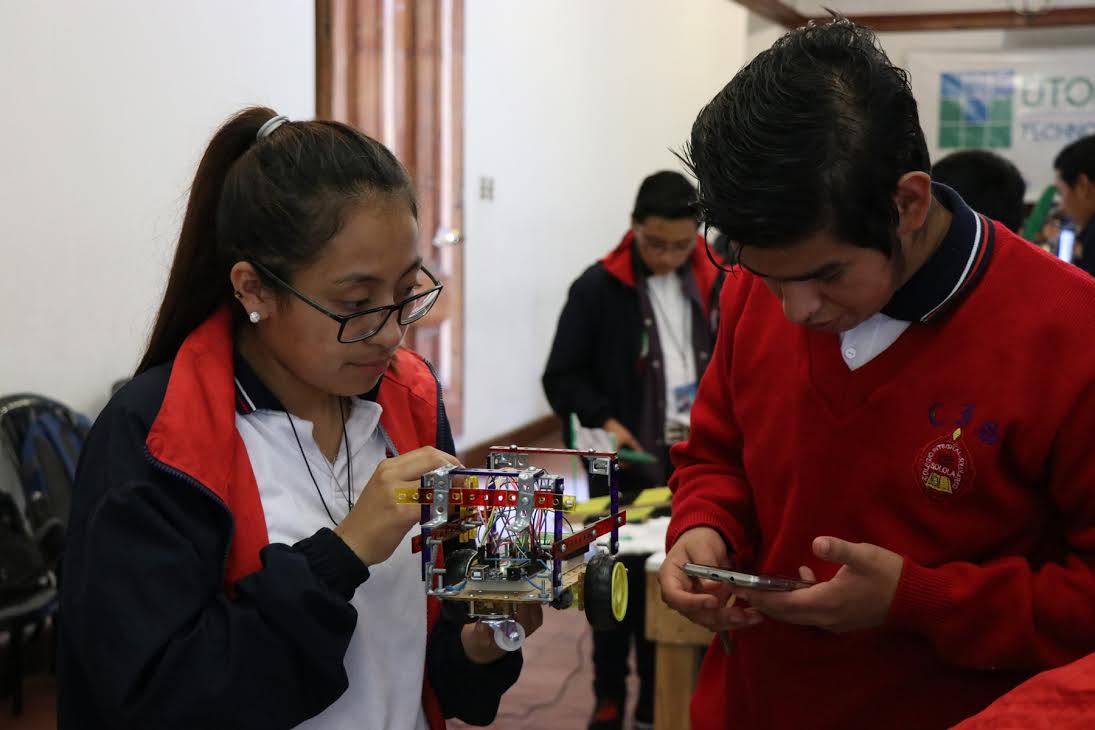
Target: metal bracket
<point>507,461</point>
<point>600,465</point>
<point>526,490</point>
<point>439,481</point>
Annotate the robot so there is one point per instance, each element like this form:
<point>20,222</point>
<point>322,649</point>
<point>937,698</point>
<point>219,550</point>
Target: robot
<point>494,538</point>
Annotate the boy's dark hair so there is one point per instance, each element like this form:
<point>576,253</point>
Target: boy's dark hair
<point>811,136</point>
<point>665,194</point>
<point>276,201</point>
<point>989,183</point>
<point>1078,158</point>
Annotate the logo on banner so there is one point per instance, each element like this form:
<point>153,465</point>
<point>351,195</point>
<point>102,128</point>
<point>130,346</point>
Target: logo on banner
<point>976,109</point>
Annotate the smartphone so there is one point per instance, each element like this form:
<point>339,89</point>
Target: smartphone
<point>745,580</point>
<point>1066,244</point>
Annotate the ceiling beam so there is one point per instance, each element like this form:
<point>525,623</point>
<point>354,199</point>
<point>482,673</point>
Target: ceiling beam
<point>976,20</point>
<point>776,11</point>
<point>780,12</point>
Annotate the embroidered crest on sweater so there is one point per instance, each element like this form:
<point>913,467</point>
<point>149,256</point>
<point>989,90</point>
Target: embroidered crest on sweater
<point>944,468</point>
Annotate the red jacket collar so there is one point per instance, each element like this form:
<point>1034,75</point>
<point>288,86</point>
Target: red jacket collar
<point>620,263</point>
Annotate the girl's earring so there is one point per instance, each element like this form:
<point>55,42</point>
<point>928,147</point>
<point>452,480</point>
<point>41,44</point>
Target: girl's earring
<point>254,317</point>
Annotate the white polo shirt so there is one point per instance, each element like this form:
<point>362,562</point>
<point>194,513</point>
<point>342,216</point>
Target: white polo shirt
<point>940,283</point>
<point>673,319</point>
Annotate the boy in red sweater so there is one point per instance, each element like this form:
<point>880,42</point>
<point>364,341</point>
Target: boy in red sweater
<point>900,406</point>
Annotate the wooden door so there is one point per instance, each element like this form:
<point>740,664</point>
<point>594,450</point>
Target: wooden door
<point>394,69</point>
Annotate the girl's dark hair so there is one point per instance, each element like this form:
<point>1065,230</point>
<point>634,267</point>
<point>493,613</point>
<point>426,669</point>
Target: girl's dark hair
<point>275,201</point>
<point>811,136</point>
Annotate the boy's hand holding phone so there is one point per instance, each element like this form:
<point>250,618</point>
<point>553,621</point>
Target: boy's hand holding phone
<point>705,602</point>
<point>857,597</point>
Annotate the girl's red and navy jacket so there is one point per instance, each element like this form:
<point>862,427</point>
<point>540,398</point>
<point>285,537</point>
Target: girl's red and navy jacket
<point>176,610</point>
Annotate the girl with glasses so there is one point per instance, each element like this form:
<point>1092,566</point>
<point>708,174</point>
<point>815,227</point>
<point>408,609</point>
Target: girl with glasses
<point>237,557</point>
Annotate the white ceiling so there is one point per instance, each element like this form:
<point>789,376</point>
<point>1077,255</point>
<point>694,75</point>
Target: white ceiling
<point>901,7</point>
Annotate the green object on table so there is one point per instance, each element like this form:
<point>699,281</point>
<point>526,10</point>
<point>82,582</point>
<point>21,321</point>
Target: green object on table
<point>1038,215</point>
<point>636,457</point>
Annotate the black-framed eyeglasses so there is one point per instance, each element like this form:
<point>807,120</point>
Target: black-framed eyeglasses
<point>676,247</point>
<point>363,325</point>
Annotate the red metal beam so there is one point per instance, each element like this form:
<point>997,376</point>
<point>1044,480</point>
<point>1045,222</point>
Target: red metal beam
<point>580,540</point>
<point>493,498</point>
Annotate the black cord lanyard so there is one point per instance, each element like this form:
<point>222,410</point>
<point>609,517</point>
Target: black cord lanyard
<point>349,464</point>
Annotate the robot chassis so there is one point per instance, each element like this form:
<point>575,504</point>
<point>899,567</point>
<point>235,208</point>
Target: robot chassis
<point>502,529</point>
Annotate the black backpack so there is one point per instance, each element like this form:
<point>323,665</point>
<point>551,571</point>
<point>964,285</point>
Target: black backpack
<point>40,442</point>
<point>26,583</point>
<point>43,438</point>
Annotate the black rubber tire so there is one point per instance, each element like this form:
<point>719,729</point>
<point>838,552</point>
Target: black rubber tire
<point>597,592</point>
<point>456,566</point>
<point>564,601</point>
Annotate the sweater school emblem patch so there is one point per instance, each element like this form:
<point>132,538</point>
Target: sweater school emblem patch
<point>944,468</point>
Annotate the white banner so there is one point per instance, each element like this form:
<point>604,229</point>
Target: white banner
<point>1025,105</point>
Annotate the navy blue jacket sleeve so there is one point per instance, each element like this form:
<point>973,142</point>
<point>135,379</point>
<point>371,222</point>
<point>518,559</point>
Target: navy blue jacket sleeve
<point>150,638</point>
<point>568,379</point>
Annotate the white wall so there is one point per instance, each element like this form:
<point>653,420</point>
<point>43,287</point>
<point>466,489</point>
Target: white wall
<point>107,109</point>
<point>762,33</point>
<point>568,105</point>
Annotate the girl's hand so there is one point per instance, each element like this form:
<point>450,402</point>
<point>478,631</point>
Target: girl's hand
<point>377,523</point>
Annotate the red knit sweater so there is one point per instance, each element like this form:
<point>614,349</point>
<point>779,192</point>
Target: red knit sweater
<point>996,521</point>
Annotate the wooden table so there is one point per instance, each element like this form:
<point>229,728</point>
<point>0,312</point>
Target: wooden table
<point>679,648</point>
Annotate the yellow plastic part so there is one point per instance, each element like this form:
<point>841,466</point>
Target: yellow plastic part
<point>638,514</point>
<point>653,496</point>
<point>406,495</point>
<point>594,506</point>
<point>619,591</point>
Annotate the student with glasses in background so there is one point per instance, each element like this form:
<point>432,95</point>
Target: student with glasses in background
<point>633,340</point>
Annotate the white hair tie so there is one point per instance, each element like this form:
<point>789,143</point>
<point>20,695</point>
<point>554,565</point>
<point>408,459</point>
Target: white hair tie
<point>271,124</point>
